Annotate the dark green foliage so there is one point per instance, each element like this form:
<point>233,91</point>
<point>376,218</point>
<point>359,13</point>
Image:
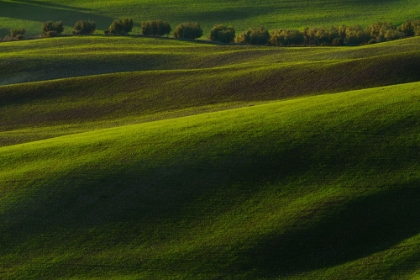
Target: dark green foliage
<point>188,30</point>
<point>84,27</point>
<point>323,36</point>
<point>285,37</point>
<point>17,32</point>
<point>410,28</point>
<point>121,27</point>
<point>222,33</point>
<point>355,35</point>
<point>51,34</point>
<point>254,36</point>
<point>155,28</point>
<point>384,31</point>
<point>52,26</point>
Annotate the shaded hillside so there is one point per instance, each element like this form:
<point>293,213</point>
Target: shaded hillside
<point>240,14</point>
<point>324,185</point>
<point>161,76</point>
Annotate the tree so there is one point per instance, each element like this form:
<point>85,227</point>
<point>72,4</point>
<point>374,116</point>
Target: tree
<point>254,36</point>
<point>49,26</point>
<point>355,35</point>
<point>286,37</point>
<point>84,27</point>
<point>382,31</point>
<point>309,37</point>
<point>155,28</point>
<point>410,28</point>
<point>188,30</point>
<point>121,27</point>
<point>17,33</point>
<point>222,33</point>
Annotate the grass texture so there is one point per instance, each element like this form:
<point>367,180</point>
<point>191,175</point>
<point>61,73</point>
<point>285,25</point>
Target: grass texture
<point>90,84</point>
<point>240,14</point>
<point>153,158</point>
<point>323,186</point>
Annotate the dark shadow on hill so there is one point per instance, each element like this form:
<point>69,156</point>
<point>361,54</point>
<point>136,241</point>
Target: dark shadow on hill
<point>227,14</point>
<point>3,33</point>
<point>52,5</point>
<point>132,193</point>
<point>363,227</point>
<point>42,12</point>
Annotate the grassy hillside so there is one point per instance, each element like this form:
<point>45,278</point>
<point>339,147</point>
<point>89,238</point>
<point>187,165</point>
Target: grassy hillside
<point>240,14</point>
<point>323,186</point>
<point>154,158</point>
<point>119,81</point>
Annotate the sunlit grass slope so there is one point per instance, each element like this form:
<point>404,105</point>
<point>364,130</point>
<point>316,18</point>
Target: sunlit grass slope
<point>240,14</point>
<point>316,187</point>
<point>75,84</point>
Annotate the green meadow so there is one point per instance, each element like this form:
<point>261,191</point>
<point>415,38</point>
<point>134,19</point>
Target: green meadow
<point>154,158</point>
<point>240,14</point>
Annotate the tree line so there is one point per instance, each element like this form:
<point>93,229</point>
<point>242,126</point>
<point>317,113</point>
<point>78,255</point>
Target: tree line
<point>334,36</point>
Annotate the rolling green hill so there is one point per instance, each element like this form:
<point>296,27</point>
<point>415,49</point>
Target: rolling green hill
<point>155,158</point>
<point>323,186</point>
<point>240,14</point>
<point>79,88</point>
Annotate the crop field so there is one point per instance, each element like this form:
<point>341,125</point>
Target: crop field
<point>126,157</point>
<point>240,14</point>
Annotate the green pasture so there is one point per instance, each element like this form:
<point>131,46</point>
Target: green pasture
<point>95,82</point>
<point>240,14</point>
<point>323,186</point>
<point>154,158</point>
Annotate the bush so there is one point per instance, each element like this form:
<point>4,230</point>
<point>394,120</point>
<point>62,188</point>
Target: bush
<point>410,28</point>
<point>17,32</point>
<point>382,31</point>
<point>254,36</point>
<point>337,42</point>
<point>84,27</point>
<point>285,37</point>
<point>52,26</point>
<point>155,28</point>
<point>51,34</point>
<point>222,33</point>
<point>188,30</point>
<point>121,27</point>
<point>355,35</point>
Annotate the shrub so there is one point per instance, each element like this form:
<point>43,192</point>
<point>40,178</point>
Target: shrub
<point>121,27</point>
<point>84,27</point>
<point>52,26</point>
<point>285,37</point>
<point>222,33</point>
<point>337,42</point>
<point>355,35</point>
<point>51,34</point>
<point>254,36</point>
<point>382,31</point>
<point>188,30</point>
<point>410,28</point>
<point>392,34</point>
<point>17,32</point>
<point>309,35</point>
<point>155,28</point>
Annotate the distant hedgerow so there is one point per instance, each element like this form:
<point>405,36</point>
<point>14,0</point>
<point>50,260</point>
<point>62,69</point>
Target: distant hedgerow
<point>84,27</point>
<point>410,28</point>
<point>285,37</point>
<point>254,36</point>
<point>155,28</point>
<point>222,33</point>
<point>52,26</point>
<point>120,27</point>
<point>188,30</point>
